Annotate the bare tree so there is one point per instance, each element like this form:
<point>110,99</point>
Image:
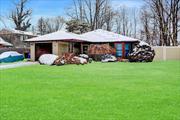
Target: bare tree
<point>41,25</point>
<point>126,21</point>
<point>109,16</point>
<point>54,24</point>
<point>49,25</point>
<point>166,14</point>
<point>135,21</point>
<point>145,19</point>
<point>97,13</point>
<point>20,16</point>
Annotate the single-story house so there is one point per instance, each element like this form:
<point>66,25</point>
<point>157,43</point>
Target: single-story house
<point>56,43</point>
<point>61,42</point>
<point>3,43</point>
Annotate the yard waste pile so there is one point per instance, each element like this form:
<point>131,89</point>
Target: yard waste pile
<point>108,58</point>
<point>47,59</point>
<point>11,56</point>
<point>66,58</point>
<point>70,58</point>
<point>142,52</point>
<point>97,51</point>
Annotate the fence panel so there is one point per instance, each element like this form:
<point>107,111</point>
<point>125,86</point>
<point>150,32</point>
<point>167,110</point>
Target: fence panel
<point>167,53</point>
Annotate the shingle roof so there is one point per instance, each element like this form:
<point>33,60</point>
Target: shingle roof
<point>19,32</point>
<point>93,36</point>
<point>3,42</point>
<point>59,35</point>
<point>106,36</point>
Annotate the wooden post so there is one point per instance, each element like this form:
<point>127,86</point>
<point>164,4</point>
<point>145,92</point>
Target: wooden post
<point>81,48</point>
<point>72,47</point>
<point>123,50</point>
<point>115,48</point>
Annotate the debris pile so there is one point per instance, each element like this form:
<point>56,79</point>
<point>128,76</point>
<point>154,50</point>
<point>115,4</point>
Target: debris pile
<point>70,58</point>
<point>97,51</point>
<point>142,52</point>
<point>108,58</point>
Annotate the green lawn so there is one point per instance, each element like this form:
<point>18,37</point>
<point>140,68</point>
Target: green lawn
<point>97,91</point>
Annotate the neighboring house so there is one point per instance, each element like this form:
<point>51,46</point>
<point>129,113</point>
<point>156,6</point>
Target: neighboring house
<point>3,43</point>
<point>16,37</point>
<point>61,42</point>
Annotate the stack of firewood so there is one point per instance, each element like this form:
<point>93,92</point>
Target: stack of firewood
<point>142,52</point>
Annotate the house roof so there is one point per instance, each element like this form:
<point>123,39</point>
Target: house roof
<point>13,31</point>
<point>93,36</point>
<point>3,42</point>
<point>100,35</point>
<point>59,35</point>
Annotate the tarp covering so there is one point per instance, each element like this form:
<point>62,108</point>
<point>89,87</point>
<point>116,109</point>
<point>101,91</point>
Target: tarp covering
<point>11,56</point>
<point>47,59</point>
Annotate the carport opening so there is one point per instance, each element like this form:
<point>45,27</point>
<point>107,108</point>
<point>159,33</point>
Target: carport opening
<point>42,48</point>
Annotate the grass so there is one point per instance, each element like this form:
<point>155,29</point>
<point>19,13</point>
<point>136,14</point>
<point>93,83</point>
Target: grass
<point>97,91</point>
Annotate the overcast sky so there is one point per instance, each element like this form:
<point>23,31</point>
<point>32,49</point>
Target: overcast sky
<point>50,8</point>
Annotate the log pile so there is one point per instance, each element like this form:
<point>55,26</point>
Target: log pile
<point>142,52</point>
<point>96,51</point>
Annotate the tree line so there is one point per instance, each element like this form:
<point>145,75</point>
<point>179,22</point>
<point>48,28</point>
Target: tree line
<point>157,22</point>
<point>160,19</point>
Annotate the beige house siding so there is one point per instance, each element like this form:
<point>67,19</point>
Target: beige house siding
<point>55,48</point>
<point>63,48</point>
<point>60,47</point>
<point>167,53</point>
<point>32,51</point>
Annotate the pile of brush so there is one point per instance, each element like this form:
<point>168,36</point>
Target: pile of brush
<point>67,58</point>
<point>142,52</point>
<point>96,51</point>
<point>70,58</point>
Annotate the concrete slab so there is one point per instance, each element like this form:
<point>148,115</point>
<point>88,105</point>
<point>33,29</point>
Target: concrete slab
<point>17,64</point>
